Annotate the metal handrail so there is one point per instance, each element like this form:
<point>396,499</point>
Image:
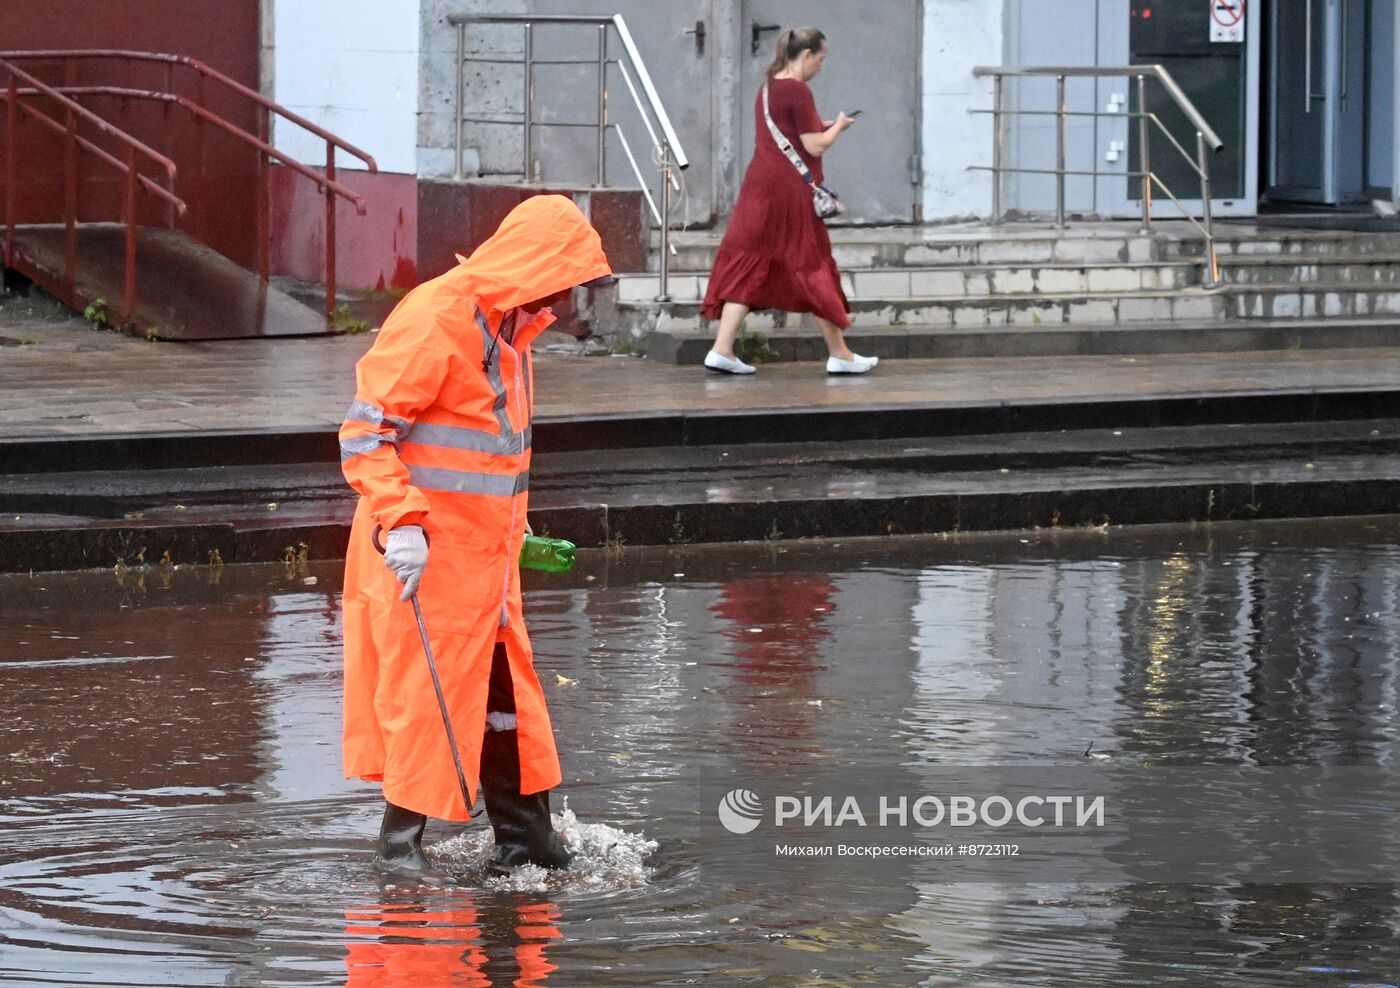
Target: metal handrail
<point>262,141</point>
<point>73,111</point>
<point>208,72</point>
<point>1206,137</point>
<point>323,183</point>
<point>667,145</point>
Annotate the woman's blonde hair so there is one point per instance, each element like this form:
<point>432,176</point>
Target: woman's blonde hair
<point>792,43</point>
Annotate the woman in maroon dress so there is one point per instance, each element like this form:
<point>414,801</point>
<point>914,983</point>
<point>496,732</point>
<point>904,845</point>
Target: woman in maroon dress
<point>776,253</point>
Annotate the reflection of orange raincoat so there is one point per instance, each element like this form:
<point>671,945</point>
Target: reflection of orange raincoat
<point>434,439</point>
<point>411,945</point>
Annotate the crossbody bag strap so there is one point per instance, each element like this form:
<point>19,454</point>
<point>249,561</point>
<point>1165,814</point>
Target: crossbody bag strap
<point>784,144</point>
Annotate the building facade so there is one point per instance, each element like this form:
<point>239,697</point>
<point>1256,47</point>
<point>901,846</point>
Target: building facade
<point>1301,92</point>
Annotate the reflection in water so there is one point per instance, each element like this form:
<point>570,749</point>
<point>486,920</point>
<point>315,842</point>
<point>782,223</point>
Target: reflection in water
<point>451,941</point>
<point>775,627</point>
<point>172,812</point>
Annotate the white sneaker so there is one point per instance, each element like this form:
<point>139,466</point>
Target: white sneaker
<point>728,365</point>
<point>857,365</point>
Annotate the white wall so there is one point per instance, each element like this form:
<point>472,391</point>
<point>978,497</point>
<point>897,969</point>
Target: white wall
<point>350,66</point>
<point>958,35</point>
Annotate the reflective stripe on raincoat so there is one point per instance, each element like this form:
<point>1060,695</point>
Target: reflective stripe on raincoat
<point>439,435</point>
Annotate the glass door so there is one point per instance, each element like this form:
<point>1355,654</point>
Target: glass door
<point>1317,98</point>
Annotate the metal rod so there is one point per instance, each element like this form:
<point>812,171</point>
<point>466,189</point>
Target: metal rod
<point>129,292</point>
<point>1071,172</point>
<point>11,125</point>
<point>529,71</point>
<point>1190,159</point>
<point>1052,113</point>
<point>1060,152</point>
<point>202,69</point>
<point>330,234</point>
<point>1212,265</point>
<point>664,292</point>
<point>998,150</point>
<point>242,135</point>
<point>646,122</point>
<point>169,87</point>
<point>677,153</point>
<point>461,98</point>
<point>1112,71</point>
<point>70,200</point>
<point>1144,154</point>
<point>442,707</point>
<point>1185,213</point>
<point>115,163</point>
<point>602,103</point>
<point>1077,172</point>
<point>200,180</point>
<point>642,182</point>
<point>97,122</point>
<point>263,231</point>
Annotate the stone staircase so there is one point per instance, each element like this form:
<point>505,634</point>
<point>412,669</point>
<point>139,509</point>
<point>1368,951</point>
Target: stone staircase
<point>1026,290</point>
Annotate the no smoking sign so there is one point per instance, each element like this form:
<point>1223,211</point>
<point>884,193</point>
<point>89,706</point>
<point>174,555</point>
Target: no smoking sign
<point>1227,20</point>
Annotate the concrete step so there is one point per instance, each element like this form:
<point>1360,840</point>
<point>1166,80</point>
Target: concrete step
<point>1276,243</point>
<point>793,343</point>
<point>904,313</point>
<point>1307,301</point>
<point>1379,269</point>
<point>858,248</point>
<point>640,319</point>
<point>953,281</point>
<point>1202,458</point>
<point>949,281</point>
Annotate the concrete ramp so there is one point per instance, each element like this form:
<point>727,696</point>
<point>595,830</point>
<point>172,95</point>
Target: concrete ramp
<point>184,290</point>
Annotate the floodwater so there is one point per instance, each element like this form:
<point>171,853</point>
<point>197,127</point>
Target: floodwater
<point>172,810</point>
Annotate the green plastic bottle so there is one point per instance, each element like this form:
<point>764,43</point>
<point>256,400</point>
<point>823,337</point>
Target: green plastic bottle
<point>550,555</point>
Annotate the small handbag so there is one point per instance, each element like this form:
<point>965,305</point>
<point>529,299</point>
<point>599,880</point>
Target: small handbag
<point>826,203</point>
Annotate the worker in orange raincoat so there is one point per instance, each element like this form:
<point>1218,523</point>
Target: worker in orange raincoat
<point>437,443</point>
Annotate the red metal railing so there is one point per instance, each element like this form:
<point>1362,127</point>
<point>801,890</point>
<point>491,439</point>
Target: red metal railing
<point>325,181</point>
<point>73,142</point>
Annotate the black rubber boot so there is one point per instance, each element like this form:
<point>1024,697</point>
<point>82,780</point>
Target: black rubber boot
<point>400,852</point>
<point>524,832</point>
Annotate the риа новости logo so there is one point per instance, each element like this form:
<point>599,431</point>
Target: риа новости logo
<point>740,811</point>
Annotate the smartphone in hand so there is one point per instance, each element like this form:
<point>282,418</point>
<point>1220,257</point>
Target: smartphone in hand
<point>854,113</point>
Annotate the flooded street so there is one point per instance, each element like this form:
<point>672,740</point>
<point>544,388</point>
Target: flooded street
<point>172,810</point>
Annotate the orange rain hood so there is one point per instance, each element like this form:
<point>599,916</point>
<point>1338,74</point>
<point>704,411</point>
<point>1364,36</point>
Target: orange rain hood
<point>543,247</point>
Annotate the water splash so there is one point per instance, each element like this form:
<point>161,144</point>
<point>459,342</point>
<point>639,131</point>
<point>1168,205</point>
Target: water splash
<point>605,859</point>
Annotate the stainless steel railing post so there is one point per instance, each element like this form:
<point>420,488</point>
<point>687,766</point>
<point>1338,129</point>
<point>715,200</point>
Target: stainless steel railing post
<point>998,136</point>
<point>1060,109</point>
<point>1144,155</point>
<point>529,122</point>
<point>461,99</point>
<point>664,289</point>
<point>1212,273</point>
<point>602,103</point>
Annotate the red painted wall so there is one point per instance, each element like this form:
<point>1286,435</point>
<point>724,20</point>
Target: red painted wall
<point>222,33</point>
<point>377,250</point>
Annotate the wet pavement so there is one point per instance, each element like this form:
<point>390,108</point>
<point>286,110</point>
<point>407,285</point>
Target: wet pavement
<point>71,381</point>
<point>172,811</point>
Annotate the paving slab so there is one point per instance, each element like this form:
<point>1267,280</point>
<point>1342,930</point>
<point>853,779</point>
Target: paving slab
<point>71,381</point>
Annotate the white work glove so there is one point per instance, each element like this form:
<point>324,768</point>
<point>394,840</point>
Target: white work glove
<point>406,553</point>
